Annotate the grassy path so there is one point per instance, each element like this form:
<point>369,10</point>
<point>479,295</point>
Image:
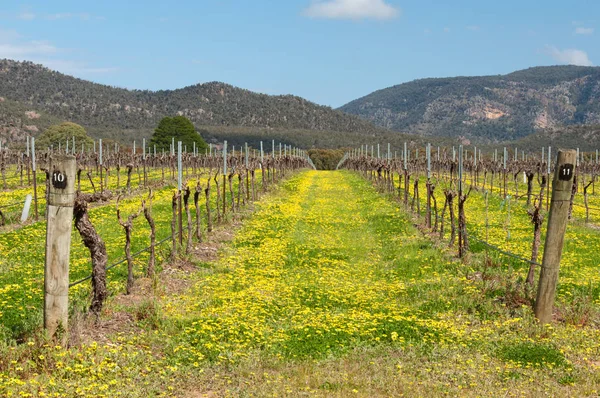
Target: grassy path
<point>318,271</point>
<point>328,290</point>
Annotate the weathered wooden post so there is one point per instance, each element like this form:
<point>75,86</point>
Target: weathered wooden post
<point>504,170</point>
<point>179,190</point>
<point>461,235</point>
<point>33,171</point>
<point>428,212</point>
<point>548,175</point>
<point>225,176</point>
<point>262,170</point>
<point>406,176</point>
<point>28,162</point>
<point>100,160</point>
<point>247,170</point>
<point>557,226</point>
<point>59,216</point>
<point>144,163</point>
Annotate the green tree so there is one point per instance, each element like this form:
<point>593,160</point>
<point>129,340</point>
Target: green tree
<point>59,134</point>
<point>181,129</point>
<point>326,159</point>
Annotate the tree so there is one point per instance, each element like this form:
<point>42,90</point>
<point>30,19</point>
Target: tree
<point>180,128</point>
<point>326,159</point>
<point>59,134</point>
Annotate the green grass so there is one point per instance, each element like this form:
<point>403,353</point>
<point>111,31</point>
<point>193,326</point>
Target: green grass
<point>22,252</point>
<point>529,353</point>
<point>327,290</point>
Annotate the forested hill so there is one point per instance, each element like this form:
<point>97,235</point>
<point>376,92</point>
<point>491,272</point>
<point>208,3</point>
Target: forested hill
<point>487,108</point>
<point>101,107</point>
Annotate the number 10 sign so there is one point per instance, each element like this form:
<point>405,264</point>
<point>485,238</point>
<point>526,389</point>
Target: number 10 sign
<point>59,180</point>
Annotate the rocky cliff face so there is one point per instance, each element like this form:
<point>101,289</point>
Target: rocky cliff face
<point>17,121</point>
<point>489,108</point>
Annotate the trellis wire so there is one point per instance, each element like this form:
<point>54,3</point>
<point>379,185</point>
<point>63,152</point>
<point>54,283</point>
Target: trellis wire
<point>496,248</point>
<point>123,260</point>
<point>10,205</point>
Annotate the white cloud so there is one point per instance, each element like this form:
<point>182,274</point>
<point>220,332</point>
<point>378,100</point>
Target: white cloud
<point>13,46</point>
<point>76,68</point>
<point>19,51</point>
<point>583,31</point>
<point>473,28</point>
<point>7,36</point>
<point>26,16</point>
<point>84,16</point>
<point>569,56</point>
<point>351,9</point>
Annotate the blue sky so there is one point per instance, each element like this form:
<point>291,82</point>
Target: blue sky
<point>328,51</point>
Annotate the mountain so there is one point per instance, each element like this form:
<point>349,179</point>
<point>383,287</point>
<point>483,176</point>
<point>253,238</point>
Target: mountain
<point>585,137</point>
<point>32,96</point>
<point>18,120</point>
<point>487,109</point>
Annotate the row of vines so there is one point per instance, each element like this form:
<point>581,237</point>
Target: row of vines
<point>496,205</point>
<point>129,217</point>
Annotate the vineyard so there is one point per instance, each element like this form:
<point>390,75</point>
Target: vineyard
<point>400,275</point>
<point>119,188</point>
<point>495,205</point>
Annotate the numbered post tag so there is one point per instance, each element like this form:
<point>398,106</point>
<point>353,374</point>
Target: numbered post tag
<point>565,173</point>
<point>59,180</point>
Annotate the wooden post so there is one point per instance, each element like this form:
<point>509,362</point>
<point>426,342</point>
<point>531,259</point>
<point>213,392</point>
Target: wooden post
<point>59,215</point>
<point>247,171</point>
<point>100,160</point>
<point>262,168</point>
<point>225,178</point>
<point>504,171</point>
<point>557,226</point>
<point>179,190</point>
<point>548,184</point>
<point>428,185</point>
<point>144,163</point>
<point>28,163</point>
<point>33,171</point>
<point>461,231</point>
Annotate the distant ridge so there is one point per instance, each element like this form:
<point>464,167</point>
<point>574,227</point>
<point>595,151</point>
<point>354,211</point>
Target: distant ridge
<point>487,108</point>
<point>110,110</point>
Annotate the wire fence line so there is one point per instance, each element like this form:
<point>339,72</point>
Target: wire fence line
<point>583,207</point>
<point>502,251</point>
<point>498,192</point>
<point>10,205</point>
<point>122,190</point>
<point>474,237</point>
<point>121,261</point>
<point>136,254</point>
<point>134,193</point>
<point>140,252</point>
